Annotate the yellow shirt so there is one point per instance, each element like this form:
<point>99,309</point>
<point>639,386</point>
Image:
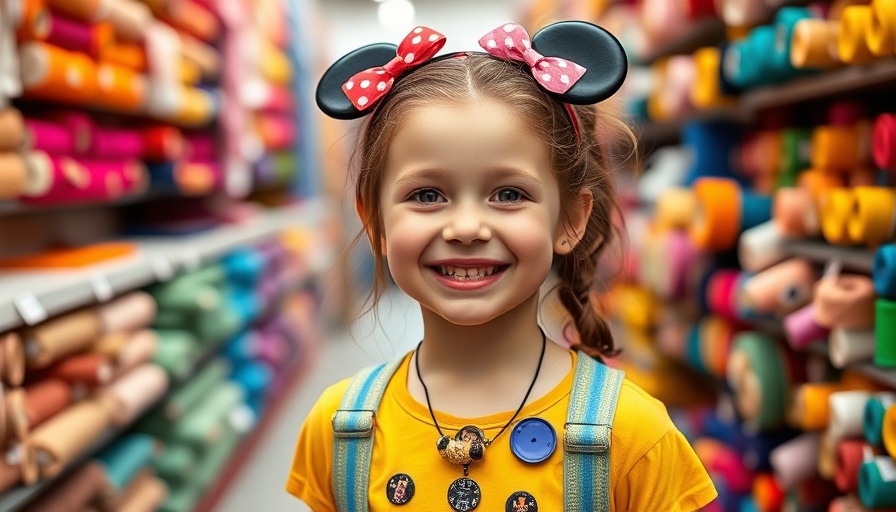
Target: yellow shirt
<point>653,468</point>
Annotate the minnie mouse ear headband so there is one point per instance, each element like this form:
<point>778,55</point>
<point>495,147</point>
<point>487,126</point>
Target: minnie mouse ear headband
<point>577,62</point>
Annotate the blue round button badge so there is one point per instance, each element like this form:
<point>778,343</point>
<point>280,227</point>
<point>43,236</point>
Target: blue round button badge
<point>533,440</point>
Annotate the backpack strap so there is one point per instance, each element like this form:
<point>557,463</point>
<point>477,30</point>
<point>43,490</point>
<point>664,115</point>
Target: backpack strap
<point>589,424</point>
<point>353,427</point>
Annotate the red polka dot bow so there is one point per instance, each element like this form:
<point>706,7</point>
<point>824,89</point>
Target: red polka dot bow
<point>512,42</point>
<point>366,87</point>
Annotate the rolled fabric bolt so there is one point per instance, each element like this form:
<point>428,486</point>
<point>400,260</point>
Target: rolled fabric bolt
<point>176,352</point>
<point>133,393</point>
<point>130,312</point>
<point>78,36</point>
<point>129,55</point>
<point>60,337</point>
<point>850,454</point>
<point>761,247</point>
<point>810,409</point>
<point>64,180</point>
<point>836,148</point>
<point>795,460</point>
<point>725,212</point>
<point>146,495</point>
<point>877,482</point>
<point>848,346</point>
<point>189,396</point>
<point>53,138</point>
<point>874,219</point>
<point>45,399</point>
<point>782,288</point>
<point>881,39</point>
<point>30,20</point>
<point>837,206</point>
<point>163,143</point>
<point>873,417</point>
<point>51,73</point>
<point>13,175</point>
<point>119,89</point>
<point>111,345</point>
<point>884,143</point>
<point>791,208</point>
<point>79,124</point>
<point>110,143</point>
<point>203,55</point>
<point>59,440</point>
<point>12,359</point>
<point>758,371</point>
<point>91,370</point>
<point>885,332</point>
<point>130,19</point>
<point>813,44</point>
<point>174,461</point>
<point>84,10</point>
<point>125,458</point>
<point>802,329</point>
<point>204,425</point>
<point>884,273</point>
<point>141,348</point>
<point>845,301</point>
<point>75,491</point>
<point>12,129</point>
<point>852,46</point>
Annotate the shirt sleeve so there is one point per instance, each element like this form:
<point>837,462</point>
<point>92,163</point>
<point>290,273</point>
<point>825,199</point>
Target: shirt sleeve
<point>310,477</point>
<point>678,482</point>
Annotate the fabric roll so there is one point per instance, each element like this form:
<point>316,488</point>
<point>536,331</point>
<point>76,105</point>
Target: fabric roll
<point>811,405</point>
<point>133,393</point>
<point>217,456</point>
<point>84,10</point>
<point>125,458</point>
<point>74,492</point>
<point>176,352</point>
<point>14,177</point>
<point>78,36</point>
<point>60,337</point>
<point>888,430</point>
<point>885,271</point>
<point>91,370</point>
<point>845,301</point>
<point>802,328</point>
<point>782,288</point>
<point>175,461</point>
<point>130,312</point>
<point>884,142</point>
<point>881,39</point>
<point>852,45</point>
<point>130,19</point>
<point>717,225</point>
<point>189,396</point>
<point>850,454</point>
<point>795,461</point>
<point>120,89</point>
<point>885,332</point>
<point>111,345</point>
<point>874,219</point>
<point>59,440</point>
<point>206,423</point>
<point>141,348</point>
<point>12,129</point>
<point>144,495</point>
<point>51,73</point>
<point>792,209</point>
<point>877,487</point>
<point>814,44</point>
<point>837,206</point>
<point>45,399</point>
<point>848,346</point>
<point>758,371</point>
<point>873,417</point>
<point>53,137</point>
<point>836,148</point>
<point>12,359</point>
<point>761,247</point>
<point>163,143</point>
<point>796,146</point>
<point>56,180</point>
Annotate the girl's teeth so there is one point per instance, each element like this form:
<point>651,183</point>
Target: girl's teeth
<point>468,273</point>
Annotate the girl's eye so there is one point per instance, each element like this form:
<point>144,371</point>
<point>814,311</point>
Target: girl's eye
<point>508,195</point>
<point>427,196</point>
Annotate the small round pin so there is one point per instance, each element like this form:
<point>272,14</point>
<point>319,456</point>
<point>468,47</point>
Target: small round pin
<point>533,440</point>
<point>400,489</point>
<point>521,501</point>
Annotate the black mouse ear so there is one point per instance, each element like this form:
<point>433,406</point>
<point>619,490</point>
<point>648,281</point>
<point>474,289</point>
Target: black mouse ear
<point>591,47</point>
<point>331,99</point>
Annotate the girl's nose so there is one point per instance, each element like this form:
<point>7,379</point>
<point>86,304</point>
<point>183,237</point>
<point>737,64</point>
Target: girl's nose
<point>466,225</point>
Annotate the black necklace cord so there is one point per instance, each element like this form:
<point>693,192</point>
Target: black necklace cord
<point>520,408</point>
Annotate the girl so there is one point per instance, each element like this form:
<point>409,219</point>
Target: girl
<point>478,177</point>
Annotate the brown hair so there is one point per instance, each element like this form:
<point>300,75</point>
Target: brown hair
<point>576,165</point>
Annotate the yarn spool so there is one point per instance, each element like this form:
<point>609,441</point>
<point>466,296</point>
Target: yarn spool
<point>130,312</point>
<point>782,288</point>
<point>761,247</point>
<point>810,408</point>
<point>881,39</point>
<point>852,46</point>
<point>140,348</point>
<point>873,417</point>
<point>836,148</point>
<point>837,207</point>
<point>65,436</point>
<point>65,180</point>
<point>884,143</point>
<point>849,460</point>
<point>725,211</point>
<point>796,145</point>
<point>759,372</point>
<point>84,10</point>
<point>877,487</point>
<point>846,410</point>
<point>795,461</point>
<point>794,213</point>
<point>845,301</point>
<point>814,45</point>
<point>848,346</point>
<point>874,218</point>
<point>53,138</point>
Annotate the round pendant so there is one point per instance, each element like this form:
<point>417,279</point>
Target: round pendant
<point>521,501</point>
<point>464,494</point>
<point>400,489</point>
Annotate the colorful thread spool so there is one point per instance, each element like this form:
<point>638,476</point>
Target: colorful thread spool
<point>758,371</point>
<point>795,461</point>
<point>850,455</point>
<point>725,211</point>
<point>884,144</point>
<point>810,409</point>
<point>813,44</point>
<point>51,73</point>
<point>761,247</point>
<point>877,482</point>
<point>885,332</point>
<point>874,218</point>
<point>837,206</point>
<point>845,301</point>
<point>852,46</point>
<point>802,329</point>
<point>881,39</point>
<point>836,148</point>
<point>873,418</point>
<point>884,273</point>
<point>780,289</point>
<point>846,410</point>
<point>12,129</point>
<point>784,25</point>
<point>847,346</point>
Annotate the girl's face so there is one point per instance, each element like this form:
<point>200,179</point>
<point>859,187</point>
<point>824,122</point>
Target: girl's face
<point>470,209</point>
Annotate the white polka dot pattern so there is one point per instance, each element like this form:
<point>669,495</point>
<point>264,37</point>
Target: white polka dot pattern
<point>517,46</point>
<point>417,47</point>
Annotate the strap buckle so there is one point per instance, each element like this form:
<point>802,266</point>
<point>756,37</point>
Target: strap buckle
<point>587,438</point>
<point>354,422</point>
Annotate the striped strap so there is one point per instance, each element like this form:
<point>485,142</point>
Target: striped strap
<point>353,427</point>
<point>589,421</point>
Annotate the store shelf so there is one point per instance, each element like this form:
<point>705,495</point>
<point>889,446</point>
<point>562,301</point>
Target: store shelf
<point>29,297</point>
<point>706,32</point>
<point>854,258</point>
<point>886,376</point>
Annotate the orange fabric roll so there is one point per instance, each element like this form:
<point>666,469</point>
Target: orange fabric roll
<point>794,213</point>
<point>874,219</point>
<point>855,23</point>
<point>59,440</point>
<point>706,91</point>
<point>46,398</point>
<point>141,347</point>
<point>835,148</point>
<point>718,219</point>
<point>194,19</point>
<point>144,494</point>
<point>34,22</point>
<point>129,55</point>
<point>836,208</point>
<point>76,491</point>
<point>111,345</point>
<point>119,88</point>
<point>12,129</point>
<point>14,175</point>
<point>71,258</point>
<point>12,359</point>
<point>61,336</point>
<point>813,44</point>
<point>881,39</point>
<point>810,409</point>
<point>781,289</point>
<point>49,72</point>
<point>845,301</point>
<point>89,369</point>
<point>130,18</point>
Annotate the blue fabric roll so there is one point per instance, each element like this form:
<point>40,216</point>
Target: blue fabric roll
<point>712,144</point>
<point>885,271</point>
<point>126,457</point>
<point>785,20</point>
<point>244,267</point>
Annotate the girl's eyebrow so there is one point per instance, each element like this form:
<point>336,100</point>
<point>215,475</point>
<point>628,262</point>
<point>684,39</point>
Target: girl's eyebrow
<point>439,173</point>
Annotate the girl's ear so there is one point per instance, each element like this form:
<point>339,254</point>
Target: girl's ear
<point>359,207</point>
<point>571,233</point>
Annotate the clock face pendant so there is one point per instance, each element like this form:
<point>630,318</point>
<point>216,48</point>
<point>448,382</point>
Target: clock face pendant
<point>464,494</point>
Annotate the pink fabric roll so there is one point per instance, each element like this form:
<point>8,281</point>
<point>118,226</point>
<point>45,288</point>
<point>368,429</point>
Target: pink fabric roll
<point>682,256</point>
<point>122,177</point>
<point>849,458</point>
<point>202,146</point>
<point>139,349</point>
<point>884,146</point>
<point>796,460</point>
<point>79,124</point>
<point>131,394</point>
<point>116,144</point>
<point>65,180</point>
<point>802,329</point>
<point>130,312</point>
<point>70,34</point>
<point>720,293</point>
<point>48,136</point>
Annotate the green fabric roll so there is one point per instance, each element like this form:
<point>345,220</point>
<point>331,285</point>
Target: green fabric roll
<point>885,332</point>
<point>191,393</point>
<point>187,296</point>
<point>172,319</point>
<point>205,422</point>
<point>176,352</point>
<point>795,151</point>
<point>176,462</point>
<point>767,362</point>
<point>216,326</point>
<point>215,458</point>
<point>873,417</point>
<point>183,498</point>
<point>877,482</point>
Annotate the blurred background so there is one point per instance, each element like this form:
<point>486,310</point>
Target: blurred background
<point>178,284</point>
